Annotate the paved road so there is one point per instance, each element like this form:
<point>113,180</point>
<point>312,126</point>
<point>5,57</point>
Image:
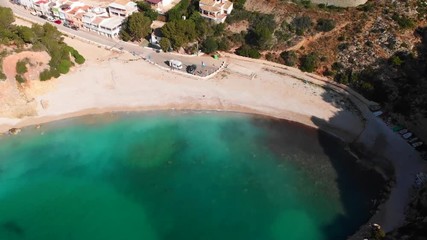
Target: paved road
<point>160,58</point>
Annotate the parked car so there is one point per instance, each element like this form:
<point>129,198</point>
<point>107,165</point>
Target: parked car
<point>403,131</point>
<point>378,113</point>
<point>50,18</point>
<point>407,135</point>
<point>175,64</point>
<point>191,69</point>
<point>70,26</point>
<point>417,144</point>
<point>43,17</point>
<point>57,21</point>
<point>34,13</point>
<point>374,108</point>
<point>412,140</point>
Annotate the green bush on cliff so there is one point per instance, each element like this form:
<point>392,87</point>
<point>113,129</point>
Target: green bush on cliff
<point>21,67</point>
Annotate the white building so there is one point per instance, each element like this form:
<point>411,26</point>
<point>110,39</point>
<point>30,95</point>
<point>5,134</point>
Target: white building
<point>161,6</point>
<point>110,27</point>
<point>122,8</point>
<point>41,7</point>
<point>215,10</point>
<point>98,20</point>
<point>26,3</point>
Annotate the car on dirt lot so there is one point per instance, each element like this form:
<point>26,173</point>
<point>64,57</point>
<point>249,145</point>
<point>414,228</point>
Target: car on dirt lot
<point>191,68</point>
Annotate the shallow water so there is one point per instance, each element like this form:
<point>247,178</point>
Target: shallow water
<point>179,176</point>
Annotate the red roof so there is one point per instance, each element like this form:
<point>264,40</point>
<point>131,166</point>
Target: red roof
<point>41,2</point>
<point>153,1</point>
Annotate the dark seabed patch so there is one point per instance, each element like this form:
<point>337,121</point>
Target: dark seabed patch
<point>180,176</point>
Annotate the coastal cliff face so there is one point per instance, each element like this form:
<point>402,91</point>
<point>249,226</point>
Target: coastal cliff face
<point>341,3</point>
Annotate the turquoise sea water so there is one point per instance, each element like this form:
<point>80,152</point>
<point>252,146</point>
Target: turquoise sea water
<point>179,176</point>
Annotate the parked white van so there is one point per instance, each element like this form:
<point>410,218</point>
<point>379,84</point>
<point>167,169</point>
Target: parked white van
<point>175,64</point>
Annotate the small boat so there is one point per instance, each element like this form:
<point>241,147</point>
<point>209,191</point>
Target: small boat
<point>407,135</point>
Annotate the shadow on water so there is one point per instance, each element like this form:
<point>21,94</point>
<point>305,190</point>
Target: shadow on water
<point>13,227</point>
<point>360,186</point>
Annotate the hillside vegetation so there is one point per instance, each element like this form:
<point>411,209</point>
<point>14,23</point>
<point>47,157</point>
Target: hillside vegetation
<point>37,38</point>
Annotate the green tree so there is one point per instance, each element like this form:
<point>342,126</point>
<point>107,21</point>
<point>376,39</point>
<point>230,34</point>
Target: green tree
<point>210,45</point>
<point>180,10</point>
<point>309,62</point>
<point>263,37</point>
<point>26,34</point>
<point>165,44</point>
<point>145,8</point>
<point>179,32</point>
<point>6,17</point>
<point>135,27</point>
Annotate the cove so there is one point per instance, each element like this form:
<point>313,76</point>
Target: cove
<point>180,175</point>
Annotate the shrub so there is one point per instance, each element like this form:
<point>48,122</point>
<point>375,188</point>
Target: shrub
<point>343,46</point>
<point>79,59</point>
<point>19,78</point>
<point>209,45</point>
<point>290,58</point>
<point>301,24</point>
<point>45,75</point>
<point>165,44</point>
<point>21,67</point>
<point>396,61</point>
<point>336,66</point>
<point>248,52</point>
<point>403,21</point>
<point>223,45</point>
<point>341,78</point>
<point>238,4</point>
<point>366,7</point>
<point>64,66</point>
<point>325,25</point>
<point>2,76</point>
<point>309,62</point>
<point>270,56</point>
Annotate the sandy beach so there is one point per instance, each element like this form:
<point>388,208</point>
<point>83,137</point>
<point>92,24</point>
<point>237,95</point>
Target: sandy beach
<point>111,81</point>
